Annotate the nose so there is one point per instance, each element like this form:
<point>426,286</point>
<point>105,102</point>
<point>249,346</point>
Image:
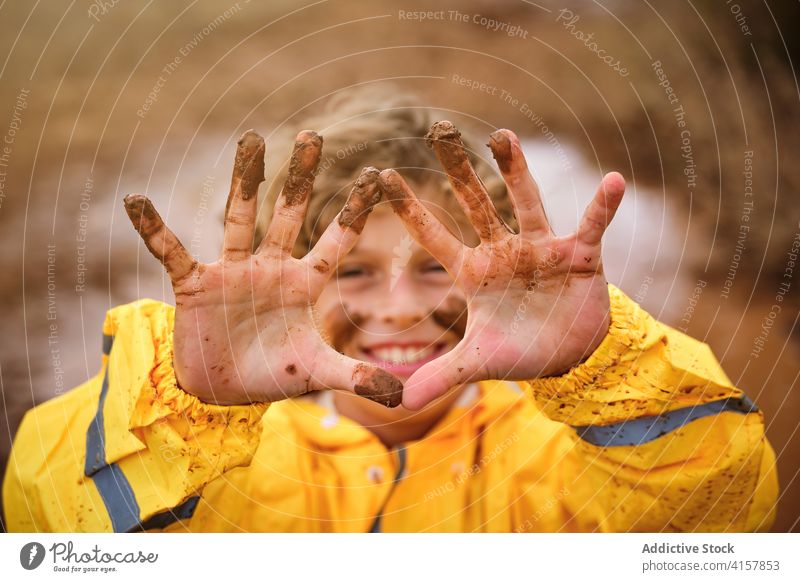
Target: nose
<point>401,302</point>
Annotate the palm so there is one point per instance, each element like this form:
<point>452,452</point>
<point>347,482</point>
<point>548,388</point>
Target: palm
<point>516,322</point>
<point>249,316</point>
<point>243,326</point>
<point>537,304</point>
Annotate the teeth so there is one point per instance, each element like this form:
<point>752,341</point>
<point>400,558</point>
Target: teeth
<point>398,355</point>
<point>401,355</point>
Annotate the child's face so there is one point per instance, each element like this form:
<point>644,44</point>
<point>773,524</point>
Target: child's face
<point>384,303</point>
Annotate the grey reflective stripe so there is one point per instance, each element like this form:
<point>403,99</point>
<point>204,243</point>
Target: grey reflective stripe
<point>111,482</point>
<point>401,467</point>
<point>95,434</point>
<point>108,341</point>
<point>644,430</point>
<point>118,497</point>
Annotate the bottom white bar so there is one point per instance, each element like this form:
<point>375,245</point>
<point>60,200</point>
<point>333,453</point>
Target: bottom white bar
<point>411,557</point>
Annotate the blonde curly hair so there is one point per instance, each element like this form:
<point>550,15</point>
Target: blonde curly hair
<point>374,126</point>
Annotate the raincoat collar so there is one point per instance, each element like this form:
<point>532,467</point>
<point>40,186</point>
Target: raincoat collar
<point>316,419</point>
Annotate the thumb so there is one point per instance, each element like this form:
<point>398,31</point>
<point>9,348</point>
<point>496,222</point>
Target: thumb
<point>437,377</point>
<point>332,370</point>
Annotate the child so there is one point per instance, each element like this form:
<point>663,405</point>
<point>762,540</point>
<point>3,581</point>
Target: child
<point>535,396</point>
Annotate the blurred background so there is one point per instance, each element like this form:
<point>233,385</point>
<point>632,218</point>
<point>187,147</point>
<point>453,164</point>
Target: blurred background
<point>695,102</point>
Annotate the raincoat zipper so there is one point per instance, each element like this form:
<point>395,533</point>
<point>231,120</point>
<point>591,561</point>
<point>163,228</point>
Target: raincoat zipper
<point>401,467</point>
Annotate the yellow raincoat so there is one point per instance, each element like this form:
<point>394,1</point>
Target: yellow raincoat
<point>647,435</point>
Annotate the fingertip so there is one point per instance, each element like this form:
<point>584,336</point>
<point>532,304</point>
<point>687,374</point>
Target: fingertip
<point>505,134</point>
<point>309,136</point>
<point>142,213</point>
<point>367,189</point>
<point>442,125</point>
<point>501,146</point>
<point>391,182</point>
<point>368,175</point>
<point>366,193</point>
<point>412,400</point>
<point>394,188</point>
<point>388,175</point>
<point>139,206</point>
<point>614,183</point>
<point>377,385</point>
<point>249,162</point>
<point>422,387</point>
<point>303,165</point>
<point>307,148</point>
<point>132,199</point>
<point>441,131</point>
<point>251,139</point>
<point>417,394</point>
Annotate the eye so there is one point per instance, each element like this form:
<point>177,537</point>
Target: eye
<point>352,271</point>
<point>432,267</point>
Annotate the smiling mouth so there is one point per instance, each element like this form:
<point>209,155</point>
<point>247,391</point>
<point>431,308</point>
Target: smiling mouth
<point>403,357</point>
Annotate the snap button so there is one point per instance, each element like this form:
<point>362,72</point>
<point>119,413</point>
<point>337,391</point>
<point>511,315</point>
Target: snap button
<point>330,420</point>
<point>375,474</point>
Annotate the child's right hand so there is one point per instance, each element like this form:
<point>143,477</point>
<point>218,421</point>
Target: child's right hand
<point>244,330</point>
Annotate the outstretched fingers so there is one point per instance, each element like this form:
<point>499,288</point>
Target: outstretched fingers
<point>290,208</point>
<point>160,240</point>
<point>426,228</point>
<point>240,212</point>
<point>601,209</point>
<point>445,140</point>
<point>524,191</point>
<point>340,236</point>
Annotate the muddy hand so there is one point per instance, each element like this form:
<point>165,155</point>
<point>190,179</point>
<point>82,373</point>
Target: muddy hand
<point>244,331</point>
<point>537,304</point>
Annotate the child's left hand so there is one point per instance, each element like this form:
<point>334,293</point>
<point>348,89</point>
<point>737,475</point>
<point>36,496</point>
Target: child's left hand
<point>538,304</point>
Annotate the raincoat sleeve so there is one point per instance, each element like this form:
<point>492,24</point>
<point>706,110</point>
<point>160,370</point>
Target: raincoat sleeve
<point>659,439</point>
<point>127,450</point>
